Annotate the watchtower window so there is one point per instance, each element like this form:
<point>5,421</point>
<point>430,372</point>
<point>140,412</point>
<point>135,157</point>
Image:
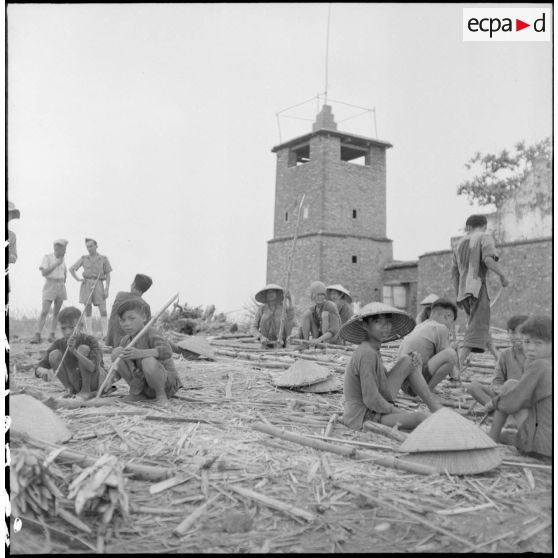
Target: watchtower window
<point>355,154</point>
<point>354,213</point>
<point>299,155</point>
<point>286,215</point>
<point>354,259</point>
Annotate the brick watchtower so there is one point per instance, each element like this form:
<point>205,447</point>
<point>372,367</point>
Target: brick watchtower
<point>342,232</point>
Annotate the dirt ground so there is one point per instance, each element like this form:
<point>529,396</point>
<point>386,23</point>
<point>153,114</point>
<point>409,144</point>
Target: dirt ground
<point>507,509</point>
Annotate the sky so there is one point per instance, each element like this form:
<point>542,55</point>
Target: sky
<point>149,128</point>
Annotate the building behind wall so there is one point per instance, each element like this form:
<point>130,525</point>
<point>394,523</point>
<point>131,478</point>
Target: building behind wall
<point>342,231</point>
<point>522,229</point>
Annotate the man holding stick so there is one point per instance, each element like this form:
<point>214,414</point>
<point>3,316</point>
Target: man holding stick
<point>53,269</point>
<point>93,264</point>
<point>473,257</point>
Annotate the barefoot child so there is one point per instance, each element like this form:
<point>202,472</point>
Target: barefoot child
<point>510,365</point>
<point>82,370</point>
<point>431,340</point>
<point>530,398</point>
<point>369,389</point>
<point>147,367</point>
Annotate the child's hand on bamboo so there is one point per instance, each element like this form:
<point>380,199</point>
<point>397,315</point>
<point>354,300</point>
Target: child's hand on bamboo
<point>131,353</point>
<point>72,344</point>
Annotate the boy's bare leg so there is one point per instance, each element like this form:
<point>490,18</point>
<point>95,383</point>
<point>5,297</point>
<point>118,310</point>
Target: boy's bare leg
<point>500,417</point>
<point>407,421</point>
<point>480,393</point>
<point>124,371</point>
<point>404,369</point>
<point>155,376</point>
<point>89,380</point>
<point>55,311</point>
<point>440,366</point>
<point>42,318</point>
<point>306,325</point>
<point>55,358</point>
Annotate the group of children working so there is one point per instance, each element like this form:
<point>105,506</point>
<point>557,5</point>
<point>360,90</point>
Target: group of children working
<point>522,386</point>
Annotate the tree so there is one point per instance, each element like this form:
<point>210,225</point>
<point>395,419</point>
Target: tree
<point>498,176</point>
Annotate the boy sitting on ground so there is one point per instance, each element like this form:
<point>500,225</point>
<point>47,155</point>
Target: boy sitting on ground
<point>431,340</point>
<point>510,365</point>
<point>148,367</point>
<point>82,370</point>
<point>320,322</point>
<point>529,399</point>
<point>369,389</point>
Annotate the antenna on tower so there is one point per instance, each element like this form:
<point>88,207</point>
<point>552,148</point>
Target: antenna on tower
<point>327,53</point>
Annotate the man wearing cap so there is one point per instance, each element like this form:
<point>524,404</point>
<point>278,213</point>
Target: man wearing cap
<point>53,269</point>
<point>94,265</point>
<point>267,320</point>
<point>321,320</point>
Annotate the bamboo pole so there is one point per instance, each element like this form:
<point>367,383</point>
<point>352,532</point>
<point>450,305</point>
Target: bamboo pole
<point>132,343</point>
<point>76,328</point>
<point>288,280</point>
<point>393,462</point>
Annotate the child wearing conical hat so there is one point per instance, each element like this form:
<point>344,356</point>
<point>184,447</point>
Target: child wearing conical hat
<point>369,389</point>
<point>343,300</point>
<point>426,304</point>
<point>320,322</point>
<point>529,399</point>
<point>267,320</point>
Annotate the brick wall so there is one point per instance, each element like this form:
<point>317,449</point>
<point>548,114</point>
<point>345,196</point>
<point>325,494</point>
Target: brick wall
<point>528,265</point>
<point>333,189</point>
<point>406,275</point>
<point>327,258</point>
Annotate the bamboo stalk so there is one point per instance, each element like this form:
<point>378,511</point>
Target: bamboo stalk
<point>385,430</point>
<point>273,503</point>
<point>400,509</point>
<point>143,472</point>
<point>132,343</point>
<point>393,462</point>
<point>288,279</point>
<point>187,524</point>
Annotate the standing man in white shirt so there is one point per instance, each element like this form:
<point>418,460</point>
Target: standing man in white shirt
<point>53,269</point>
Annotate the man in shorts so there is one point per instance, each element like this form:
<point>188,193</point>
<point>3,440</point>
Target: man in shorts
<point>53,269</point>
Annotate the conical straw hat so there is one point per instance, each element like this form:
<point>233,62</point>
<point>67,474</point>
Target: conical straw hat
<point>260,295</point>
<point>401,323</point>
<point>327,386</point>
<point>197,345</point>
<point>446,430</point>
<point>341,289</point>
<point>31,417</point>
<point>430,299</point>
<point>461,462</point>
<point>302,373</point>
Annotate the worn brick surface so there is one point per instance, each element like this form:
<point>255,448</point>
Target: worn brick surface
<point>528,265</point>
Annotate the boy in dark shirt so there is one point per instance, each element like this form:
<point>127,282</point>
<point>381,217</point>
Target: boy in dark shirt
<point>510,365</point>
<point>369,389</point>
<point>530,398</point>
<point>148,367</point>
<point>82,370</point>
